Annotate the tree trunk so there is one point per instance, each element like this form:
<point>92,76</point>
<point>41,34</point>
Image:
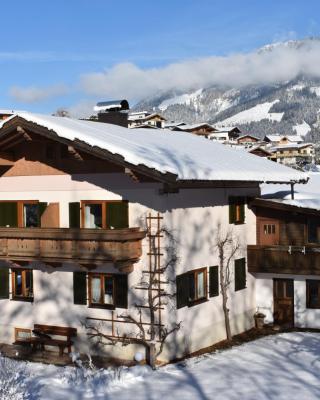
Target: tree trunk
<point>151,356</point>
<point>224,288</point>
<point>226,314</point>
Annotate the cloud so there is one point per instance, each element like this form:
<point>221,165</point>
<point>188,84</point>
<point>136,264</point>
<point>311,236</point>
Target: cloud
<point>33,94</point>
<point>271,64</point>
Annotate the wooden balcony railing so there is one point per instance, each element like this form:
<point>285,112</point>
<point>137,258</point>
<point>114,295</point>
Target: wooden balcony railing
<point>299,260</point>
<point>55,246</point>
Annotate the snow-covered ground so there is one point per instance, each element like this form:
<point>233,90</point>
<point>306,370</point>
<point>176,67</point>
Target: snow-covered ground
<point>302,129</point>
<point>284,366</point>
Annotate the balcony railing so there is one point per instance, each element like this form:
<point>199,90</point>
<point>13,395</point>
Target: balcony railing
<point>299,260</point>
<point>90,247</point>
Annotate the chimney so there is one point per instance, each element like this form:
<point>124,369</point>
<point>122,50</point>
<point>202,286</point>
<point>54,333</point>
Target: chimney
<point>113,112</point>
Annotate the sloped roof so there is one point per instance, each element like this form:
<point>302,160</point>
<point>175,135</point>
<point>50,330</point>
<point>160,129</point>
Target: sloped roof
<point>189,157</point>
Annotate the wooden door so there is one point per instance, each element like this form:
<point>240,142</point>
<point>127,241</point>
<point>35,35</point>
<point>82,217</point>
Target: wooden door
<point>283,300</point>
<point>268,232</point>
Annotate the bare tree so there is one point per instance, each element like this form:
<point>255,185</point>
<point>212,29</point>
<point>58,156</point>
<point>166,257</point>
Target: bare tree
<point>150,332</point>
<point>227,245</point>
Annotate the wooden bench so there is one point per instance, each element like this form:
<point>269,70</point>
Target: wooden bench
<point>43,337</point>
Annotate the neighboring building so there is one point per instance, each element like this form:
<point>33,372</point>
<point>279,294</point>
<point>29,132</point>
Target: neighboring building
<point>200,129</point>
<point>293,154</point>
<point>260,151</point>
<point>247,140</point>
<point>231,132</point>
<point>285,262</point>
<point>144,118</point>
<point>80,205</point>
<point>279,140</point>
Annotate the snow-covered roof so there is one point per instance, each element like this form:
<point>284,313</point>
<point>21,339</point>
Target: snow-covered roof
<point>189,157</point>
<point>305,196</point>
<point>196,126</point>
<point>227,128</point>
<point>291,146</point>
<point>291,138</point>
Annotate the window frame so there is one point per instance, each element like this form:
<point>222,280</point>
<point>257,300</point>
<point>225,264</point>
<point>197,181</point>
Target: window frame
<point>195,273</point>
<point>237,214</point>
<point>24,296</point>
<point>104,204</point>
<point>101,304</point>
<point>20,207</point>
<point>308,305</point>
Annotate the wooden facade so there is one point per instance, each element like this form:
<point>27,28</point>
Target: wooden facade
<point>288,239</point>
<point>88,247</point>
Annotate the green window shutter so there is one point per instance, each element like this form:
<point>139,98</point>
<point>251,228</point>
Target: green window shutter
<point>117,215</point>
<point>9,214</point>
<point>74,215</point>
<point>80,288</point>
<point>4,283</point>
<point>214,281</point>
<point>240,274</point>
<point>182,282</point>
<point>42,207</point>
<point>232,210</point>
<point>121,291</point>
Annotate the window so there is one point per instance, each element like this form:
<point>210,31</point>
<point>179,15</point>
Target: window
<point>104,214</point>
<point>191,287</point>
<point>313,231</point>
<point>313,293</point>
<point>101,290</point>
<point>240,274</point>
<point>236,210</point>
<point>30,215</point>
<point>22,214</point>
<point>22,284</point>
<point>269,229</point>
<point>104,290</point>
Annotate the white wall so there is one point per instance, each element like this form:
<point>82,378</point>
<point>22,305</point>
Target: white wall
<point>303,317</point>
<point>190,215</point>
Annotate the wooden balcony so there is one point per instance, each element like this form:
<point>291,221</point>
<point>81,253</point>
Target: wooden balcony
<point>88,247</point>
<point>298,260</point>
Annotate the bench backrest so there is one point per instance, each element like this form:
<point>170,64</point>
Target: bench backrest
<point>56,330</point>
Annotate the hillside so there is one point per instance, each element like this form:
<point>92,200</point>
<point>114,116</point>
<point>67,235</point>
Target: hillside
<point>281,107</point>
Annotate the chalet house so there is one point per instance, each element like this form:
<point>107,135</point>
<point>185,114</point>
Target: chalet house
<point>292,154</point>
<point>279,140</point>
<point>285,261</point>
<point>247,140</point>
<point>231,133</point>
<point>260,151</point>
<point>200,129</point>
<point>87,209</point>
<point>144,118</point>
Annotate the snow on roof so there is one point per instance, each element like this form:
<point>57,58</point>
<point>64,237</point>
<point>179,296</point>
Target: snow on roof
<point>291,146</point>
<point>305,196</point>
<point>291,138</point>
<point>195,126</point>
<point>190,157</point>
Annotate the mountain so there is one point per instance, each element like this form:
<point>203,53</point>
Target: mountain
<point>285,107</point>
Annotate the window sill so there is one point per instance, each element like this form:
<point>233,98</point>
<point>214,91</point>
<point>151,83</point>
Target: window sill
<point>238,223</point>
<point>196,302</point>
<point>24,299</point>
<point>102,306</point>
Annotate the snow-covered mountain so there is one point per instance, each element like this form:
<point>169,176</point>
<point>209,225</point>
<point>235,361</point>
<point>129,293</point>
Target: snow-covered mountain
<point>282,107</point>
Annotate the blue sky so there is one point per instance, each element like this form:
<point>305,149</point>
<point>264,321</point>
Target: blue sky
<point>47,47</point>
